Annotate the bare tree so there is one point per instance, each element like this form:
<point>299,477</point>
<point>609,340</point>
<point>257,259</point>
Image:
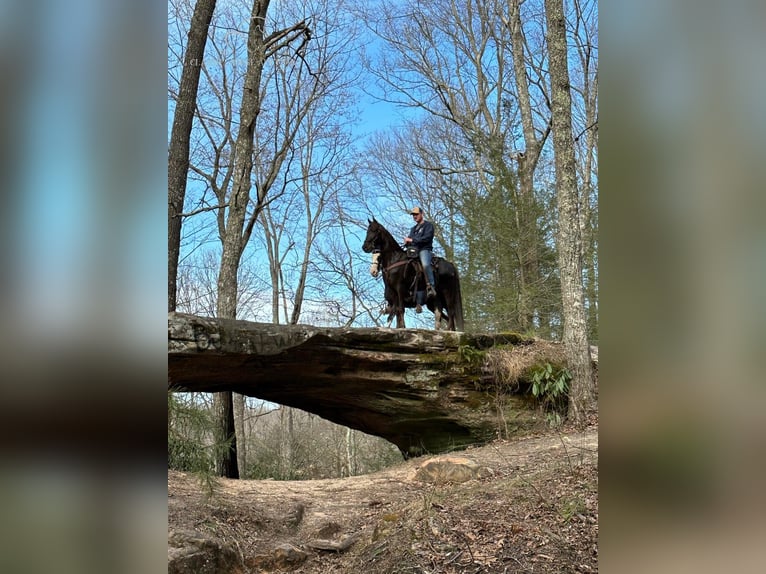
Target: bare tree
<point>260,47</point>
<point>178,148</point>
<point>320,160</point>
<point>585,108</point>
<point>287,80</point>
<point>575,335</point>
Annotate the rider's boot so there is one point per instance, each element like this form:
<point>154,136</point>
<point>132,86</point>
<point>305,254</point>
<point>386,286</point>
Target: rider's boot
<point>428,275</point>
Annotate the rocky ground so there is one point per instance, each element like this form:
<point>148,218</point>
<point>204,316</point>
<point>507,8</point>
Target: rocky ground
<point>527,505</point>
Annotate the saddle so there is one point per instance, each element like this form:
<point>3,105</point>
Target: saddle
<point>412,253</point>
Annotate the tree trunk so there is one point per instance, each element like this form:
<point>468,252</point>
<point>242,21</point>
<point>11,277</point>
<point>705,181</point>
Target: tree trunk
<point>301,288</point>
<point>240,412</point>
<point>287,459</point>
<point>350,452</point>
<point>178,149</point>
<point>590,222</point>
<point>239,199</point>
<point>243,161</point>
<point>226,464</point>
<point>575,336</point>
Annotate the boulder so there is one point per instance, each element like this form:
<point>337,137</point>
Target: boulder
<point>443,469</point>
<point>190,552</point>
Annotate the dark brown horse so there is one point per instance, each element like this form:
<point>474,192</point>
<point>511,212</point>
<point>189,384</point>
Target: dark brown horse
<point>403,277</point>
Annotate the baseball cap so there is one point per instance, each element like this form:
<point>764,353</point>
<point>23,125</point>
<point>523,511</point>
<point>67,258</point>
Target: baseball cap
<point>416,211</point>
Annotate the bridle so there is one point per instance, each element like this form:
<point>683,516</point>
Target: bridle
<point>376,264</point>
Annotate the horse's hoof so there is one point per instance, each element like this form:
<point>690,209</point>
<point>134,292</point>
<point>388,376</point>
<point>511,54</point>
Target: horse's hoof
<point>418,309</point>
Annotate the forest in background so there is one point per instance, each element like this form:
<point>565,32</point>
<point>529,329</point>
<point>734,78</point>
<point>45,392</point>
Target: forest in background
<point>277,442</point>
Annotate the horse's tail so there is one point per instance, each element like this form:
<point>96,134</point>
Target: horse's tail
<point>458,311</point>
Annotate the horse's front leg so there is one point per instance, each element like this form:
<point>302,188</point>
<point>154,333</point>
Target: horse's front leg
<point>389,310</point>
<point>400,318</point>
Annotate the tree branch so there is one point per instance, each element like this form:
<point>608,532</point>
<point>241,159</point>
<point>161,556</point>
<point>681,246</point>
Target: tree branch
<point>441,170</point>
<point>595,123</point>
<point>202,210</point>
<point>278,40</point>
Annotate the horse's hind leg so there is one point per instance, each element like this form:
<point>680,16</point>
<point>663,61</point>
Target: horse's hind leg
<point>437,318</point>
<point>451,322</point>
<point>400,319</point>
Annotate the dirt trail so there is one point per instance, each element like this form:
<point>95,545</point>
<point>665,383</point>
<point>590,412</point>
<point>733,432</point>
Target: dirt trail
<point>553,480</point>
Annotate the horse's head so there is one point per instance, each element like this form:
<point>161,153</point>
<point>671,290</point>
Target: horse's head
<point>372,239</point>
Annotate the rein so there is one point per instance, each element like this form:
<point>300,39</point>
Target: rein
<point>405,262</point>
<point>397,264</point>
<point>376,263</point>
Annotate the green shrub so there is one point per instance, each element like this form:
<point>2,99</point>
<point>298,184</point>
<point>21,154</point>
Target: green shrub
<point>189,430</point>
<point>550,386</point>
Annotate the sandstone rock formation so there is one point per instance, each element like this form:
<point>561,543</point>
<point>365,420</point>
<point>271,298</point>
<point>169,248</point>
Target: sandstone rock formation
<point>425,391</point>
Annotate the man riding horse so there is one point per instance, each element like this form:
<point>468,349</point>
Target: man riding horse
<point>422,238</point>
<point>403,278</point>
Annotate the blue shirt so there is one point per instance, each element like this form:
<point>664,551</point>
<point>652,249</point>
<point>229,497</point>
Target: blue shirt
<point>423,235</point>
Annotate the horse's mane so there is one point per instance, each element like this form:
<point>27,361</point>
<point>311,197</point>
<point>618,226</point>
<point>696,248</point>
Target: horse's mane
<point>387,238</point>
